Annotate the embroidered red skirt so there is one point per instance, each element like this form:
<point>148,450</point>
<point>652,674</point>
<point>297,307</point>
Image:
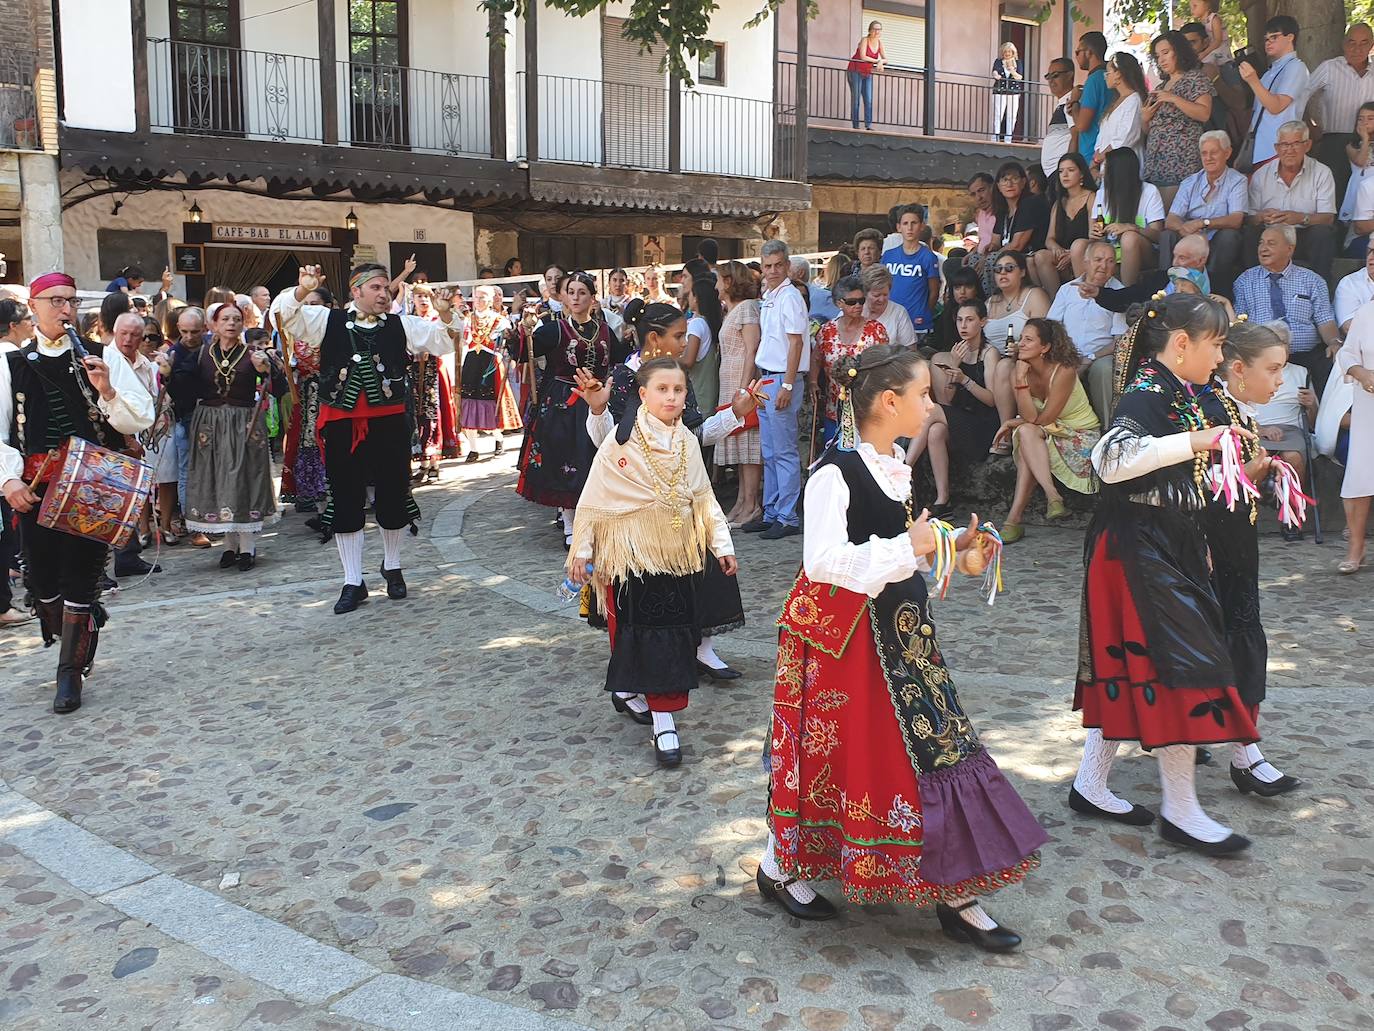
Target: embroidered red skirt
<point>1126,699</point>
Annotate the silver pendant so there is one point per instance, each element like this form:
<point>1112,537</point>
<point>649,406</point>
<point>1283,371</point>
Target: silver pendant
<point>357,358</point>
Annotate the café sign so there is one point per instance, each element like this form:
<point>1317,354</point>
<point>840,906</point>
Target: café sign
<point>255,232</point>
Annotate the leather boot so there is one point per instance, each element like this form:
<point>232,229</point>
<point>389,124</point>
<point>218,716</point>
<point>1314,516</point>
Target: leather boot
<point>77,632</point>
<point>99,617</point>
<point>49,620</point>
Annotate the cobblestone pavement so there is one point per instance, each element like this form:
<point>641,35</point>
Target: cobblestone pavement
<point>439,789</point>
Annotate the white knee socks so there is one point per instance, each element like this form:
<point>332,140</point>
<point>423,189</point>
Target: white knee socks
<point>799,890</point>
<point>1243,757</point>
<point>391,548</point>
<point>248,543</point>
<point>471,437</point>
<point>706,654</point>
<point>1177,773</point>
<point>634,702</point>
<point>351,555</point>
<point>1093,771</point>
<point>663,724</point>
<point>976,916</point>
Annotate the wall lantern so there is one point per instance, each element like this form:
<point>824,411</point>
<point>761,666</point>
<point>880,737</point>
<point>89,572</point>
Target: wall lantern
<point>351,220</point>
<point>195,212</point>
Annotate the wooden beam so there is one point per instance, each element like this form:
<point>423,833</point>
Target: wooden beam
<point>802,91</point>
<point>532,83</point>
<point>674,123</point>
<point>327,20</point>
<point>496,82</point>
<point>143,118</point>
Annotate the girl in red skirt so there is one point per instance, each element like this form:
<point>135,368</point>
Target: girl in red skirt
<point>877,778</point>
<point>1153,660</point>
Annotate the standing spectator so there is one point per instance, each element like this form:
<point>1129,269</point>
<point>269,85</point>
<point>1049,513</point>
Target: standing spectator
<point>1215,48</point>
<point>514,268</point>
<point>129,281</point>
<point>708,250</point>
<point>1356,360</point>
<point>617,291</point>
<point>877,284</point>
<point>1058,138</point>
<point>1008,83</point>
<point>915,270</point>
<point>868,59</point>
<point>702,357</point>
<point>1121,122</point>
<point>1071,195</point>
<point>738,288</point>
<point>1176,114</point>
<point>1358,148</point>
<point>262,298</point>
<point>16,329</point>
<point>822,298</point>
<point>1337,89</point>
<point>1278,289</point>
<point>847,335</point>
<point>183,387</point>
<point>783,358</point>
<point>1283,82</point>
<point>982,189</point>
<point>868,247</point>
<point>1094,96</point>
<point>1023,219</point>
<point>1129,213</point>
<point>1297,191</point>
<point>1355,291</point>
<point>1093,329</point>
<point>1211,202</point>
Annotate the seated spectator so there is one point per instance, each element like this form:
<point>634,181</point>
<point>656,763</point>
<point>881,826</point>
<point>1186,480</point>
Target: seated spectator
<point>847,335</point>
<point>961,427</point>
<point>1121,124</point>
<point>1298,191</point>
<point>1285,421</point>
<point>1283,82</point>
<point>129,281</point>
<point>1336,90</point>
<point>868,248</point>
<point>1038,182</point>
<point>877,284</point>
<point>1231,106</point>
<point>1092,328</point>
<point>1211,203</point>
<point>1014,301</point>
<point>961,284</point>
<point>1058,138</point>
<point>915,271</point>
<point>1175,115</point>
<point>1071,199</point>
<point>1188,274</point>
<point>1054,430</point>
<point>1357,157</point>
<point>1277,289</point>
<point>1127,213</point>
<point>1361,220</point>
<point>1354,291</point>
<point>982,189</point>
<point>1023,219</point>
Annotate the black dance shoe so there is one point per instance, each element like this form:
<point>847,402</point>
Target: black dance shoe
<point>1247,782</point>
<point>667,756</point>
<point>1203,757</point>
<point>247,560</point>
<point>135,567</point>
<point>759,525</point>
<point>1220,849</point>
<point>645,718</point>
<point>500,446</point>
<point>999,939</point>
<point>1138,816</point>
<point>819,908</point>
<point>472,458</point>
<point>724,673</point>
<point>395,584</point>
<point>229,559</point>
<point>350,598</point>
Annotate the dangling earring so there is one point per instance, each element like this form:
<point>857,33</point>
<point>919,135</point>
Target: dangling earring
<point>848,435</point>
<point>1178,358</point>
<point>1241,385</point>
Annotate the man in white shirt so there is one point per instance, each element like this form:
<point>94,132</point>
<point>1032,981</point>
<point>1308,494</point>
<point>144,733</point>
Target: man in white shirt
<point>1335,91</point>
<point>127,346</point>
<point>1059,133</point>
<point>1298,191</point>
<point>1354,291</point>
<point>1092,328</point>
<point>1361,219</point>
<point>783,357</point>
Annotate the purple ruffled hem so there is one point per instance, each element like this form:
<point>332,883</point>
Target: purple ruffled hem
<point>974,822</point>
<point>479,415</point>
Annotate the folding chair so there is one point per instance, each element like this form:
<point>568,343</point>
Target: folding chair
<point>1310,456</point>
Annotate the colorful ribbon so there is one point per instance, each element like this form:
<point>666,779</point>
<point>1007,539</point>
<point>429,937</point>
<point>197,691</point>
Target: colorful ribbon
<point>1292,502</point>
<point>946,554</point>
<point>1229,479</point>
<point>992,574</point>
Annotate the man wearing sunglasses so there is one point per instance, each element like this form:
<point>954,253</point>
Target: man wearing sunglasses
<point>1059,134</point>
<point>1275,90</point>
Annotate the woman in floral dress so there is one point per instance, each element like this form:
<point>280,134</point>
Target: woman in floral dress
<point>1175,114</point>
<point>739,341</point>
<point>845,336</point>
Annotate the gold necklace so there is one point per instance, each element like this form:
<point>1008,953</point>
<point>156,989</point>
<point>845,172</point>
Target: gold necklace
<point>665,487</point>
<point>224,364</point>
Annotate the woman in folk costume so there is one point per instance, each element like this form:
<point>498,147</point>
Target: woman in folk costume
<point>488,401</point>
<point>229,484</point>
<point>436,410</point>
<point>1153,661</point>
<point>1251,374</point>
<point>877,778</point>
<point>558,453</point>
<point>302,475</point>
<point>645,522</point>
<point>661,332</point>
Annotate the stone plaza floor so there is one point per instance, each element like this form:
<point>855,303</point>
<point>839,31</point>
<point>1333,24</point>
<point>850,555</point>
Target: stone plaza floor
<point>426,814</point>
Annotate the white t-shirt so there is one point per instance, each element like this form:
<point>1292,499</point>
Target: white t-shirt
<point>1150,209</point>
<point>782,313</point>
<point>701,329</point>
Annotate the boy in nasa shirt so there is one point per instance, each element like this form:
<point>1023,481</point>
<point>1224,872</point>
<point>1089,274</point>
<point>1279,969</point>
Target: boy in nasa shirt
<point>915,271</point>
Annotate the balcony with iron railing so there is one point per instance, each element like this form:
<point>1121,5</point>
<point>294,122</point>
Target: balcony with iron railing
<point>19,122</point>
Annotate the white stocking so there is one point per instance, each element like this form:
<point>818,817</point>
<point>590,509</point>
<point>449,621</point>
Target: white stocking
<point>248,543</point>
<point>706,654</point>
<point>799,890</point>
<point>1093,771</point>
<point>1177,776</point>
<point>663,721</point>
<point>350,547</point>
<point>391,548</point>
<point>471,436</point>
<point>634,702</point>
<point>1244,757</point>
<point>976,916</point>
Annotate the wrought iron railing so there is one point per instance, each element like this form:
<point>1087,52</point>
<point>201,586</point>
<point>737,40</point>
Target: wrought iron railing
<point>19,100</point>
<point>963,105</point>
<point>414,109</point>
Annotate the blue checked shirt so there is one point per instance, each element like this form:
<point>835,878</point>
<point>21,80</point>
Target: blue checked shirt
<point>1304,295</point>
<point>1196,198</point>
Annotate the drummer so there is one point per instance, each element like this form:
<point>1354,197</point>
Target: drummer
<point>53,396</point>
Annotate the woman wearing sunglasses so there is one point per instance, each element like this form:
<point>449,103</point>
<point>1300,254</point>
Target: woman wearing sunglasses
<point>847,335</point>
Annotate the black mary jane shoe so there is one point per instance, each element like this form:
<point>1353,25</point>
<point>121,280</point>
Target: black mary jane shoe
<point>622,706</point>
<point>472,458</point>
<point>1138,816</point>
<point>247,560</point>
<point>395,584</point>
<point>1203,757</point>
<point>724,673</point>
<point>819,908</point>
<point>229,560</point>
<point>350,598</point>
<point>999,939</point>
<point>1219,849</point>
<point>667,756</point>
<point>1246,781</point>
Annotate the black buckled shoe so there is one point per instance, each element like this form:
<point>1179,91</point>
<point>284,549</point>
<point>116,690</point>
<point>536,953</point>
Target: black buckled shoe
<point>819,908</point>
<point>350,598</point>
<point>1138,816</point>
<point>724,673</point>
<point>1246,781</point>
<point>1219,849</point>
<point>667,756</point>
<point>999,939</point>
<point>395,584</point>
<point>622,706</point>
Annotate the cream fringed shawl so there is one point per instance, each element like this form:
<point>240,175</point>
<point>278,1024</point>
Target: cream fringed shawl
<point>627,512</point>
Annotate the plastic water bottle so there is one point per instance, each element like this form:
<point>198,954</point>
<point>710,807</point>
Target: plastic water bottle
<point>567,590</point>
